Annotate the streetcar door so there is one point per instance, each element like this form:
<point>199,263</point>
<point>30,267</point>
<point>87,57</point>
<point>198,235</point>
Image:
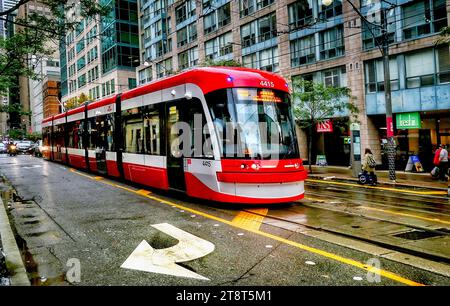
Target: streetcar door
<point>175,167</point>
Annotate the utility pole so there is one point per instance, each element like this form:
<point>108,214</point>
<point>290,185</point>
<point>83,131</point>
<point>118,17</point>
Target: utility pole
<point>387,94</point>
<point>383,46</point>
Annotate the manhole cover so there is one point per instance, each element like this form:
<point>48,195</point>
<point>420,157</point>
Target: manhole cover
<point>417,235</point>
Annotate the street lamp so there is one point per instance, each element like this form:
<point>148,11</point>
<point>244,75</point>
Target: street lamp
<point>384,49</point>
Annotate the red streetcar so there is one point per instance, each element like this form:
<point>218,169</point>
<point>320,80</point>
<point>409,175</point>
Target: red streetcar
<point>223,134</point>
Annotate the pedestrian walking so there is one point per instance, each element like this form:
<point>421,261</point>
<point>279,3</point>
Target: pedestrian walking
<point>368,166</point>
<point>436,156</point>
<point>443,163</point>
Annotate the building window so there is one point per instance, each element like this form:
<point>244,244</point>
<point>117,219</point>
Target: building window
<point>416,18</point>
<point>187,35</point>
<point>145,75</point>
<point>374,75</point>
<point>300,14</point>
<point>247,7</point>
<point>131,83</point>
<point>250,61</point>
<point>443,64</point>
<point>80,45</point>
<point>81,63</point>
<point>226,44</point>
<point>217,19</point>
<point>209,23</point>
<point>267,27</point>
<point>81,80</point>
<point>219,46</point>
<point>164,68</point>
<point>332,43</point>
<point>330,11</point>
<point>182,37</point>
<point>419,18</point>
<point>303,51</point>
<point>189,58</point>
<point>185,11</point>
<point>420,69</point>
<point>371,33</point>
<point>266,59</point>
<point>224,15</point>
<point>79,28</point>
<point>259,30</point>
<point>211,51</point>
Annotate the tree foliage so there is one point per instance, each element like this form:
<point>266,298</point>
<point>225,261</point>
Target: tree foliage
<point>315,102</point>
<point>14,108</point>
<point>221,63</point>
<point>76,101</point>
<point>21,52</point>
<point>444,36</point>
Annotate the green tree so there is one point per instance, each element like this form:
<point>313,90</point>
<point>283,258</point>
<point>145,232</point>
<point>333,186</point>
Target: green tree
<point>444,36</point>
<point>315,102</point>
<point>221,63</point>
<point>14,108</point>
<point>27,47</point>
<point>76,101</point>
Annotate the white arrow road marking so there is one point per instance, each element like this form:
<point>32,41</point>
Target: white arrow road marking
<point>190,247</point>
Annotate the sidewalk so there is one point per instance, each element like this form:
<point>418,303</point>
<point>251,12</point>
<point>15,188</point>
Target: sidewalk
<point>404,179</point>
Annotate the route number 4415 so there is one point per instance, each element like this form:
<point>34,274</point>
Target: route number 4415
<point>267,84</point>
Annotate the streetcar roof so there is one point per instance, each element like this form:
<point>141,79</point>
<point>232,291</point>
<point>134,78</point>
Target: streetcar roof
<point>207,78</point>
<point>212,78</point>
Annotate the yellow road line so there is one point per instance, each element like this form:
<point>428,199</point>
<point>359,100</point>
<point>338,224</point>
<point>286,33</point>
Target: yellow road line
<point>380,188</point>
<point>406,215</point>
<point>314,199</point>
<point>98,178</point>
<point>252,218</point>
<point>143,192</point>
<point>323,253</point>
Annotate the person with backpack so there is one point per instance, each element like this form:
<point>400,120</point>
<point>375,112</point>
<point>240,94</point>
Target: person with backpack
<point>369,164</point>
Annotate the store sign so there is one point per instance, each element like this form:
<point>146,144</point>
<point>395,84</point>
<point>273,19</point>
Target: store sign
<point>409,121</point>
<point>325,126</point>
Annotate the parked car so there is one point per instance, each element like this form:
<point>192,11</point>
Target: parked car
<point>36,149</point>
<point>3,148</point>
<point>24,146</point>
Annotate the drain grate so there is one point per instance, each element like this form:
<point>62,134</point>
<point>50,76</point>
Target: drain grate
<point>417,235</point>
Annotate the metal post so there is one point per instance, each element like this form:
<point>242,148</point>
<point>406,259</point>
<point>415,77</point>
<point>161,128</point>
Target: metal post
<point>391,151</point>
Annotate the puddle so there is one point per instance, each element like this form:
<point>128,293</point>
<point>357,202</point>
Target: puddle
<point>417,235</point>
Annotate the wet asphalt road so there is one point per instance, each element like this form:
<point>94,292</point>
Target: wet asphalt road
<point>61,214</point>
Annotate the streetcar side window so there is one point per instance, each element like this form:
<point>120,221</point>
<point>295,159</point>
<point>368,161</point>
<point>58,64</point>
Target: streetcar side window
<point>58,136</point>
<point>75,133</point>
<point>101,132</point>
<point>133,130</point>
<point>152,128</point>
<point>200,135</point>
<point>46,136</point>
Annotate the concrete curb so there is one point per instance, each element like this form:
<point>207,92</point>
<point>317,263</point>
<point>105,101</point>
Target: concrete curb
<point>14,261</point>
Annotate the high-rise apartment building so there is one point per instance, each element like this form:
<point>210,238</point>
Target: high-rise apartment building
<point>329,44</point>
<point>99,57</point>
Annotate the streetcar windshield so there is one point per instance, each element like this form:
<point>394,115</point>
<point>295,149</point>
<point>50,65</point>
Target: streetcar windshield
<point>253,123</point>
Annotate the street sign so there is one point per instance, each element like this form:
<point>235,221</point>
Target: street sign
<point>414,164</point>
<point>325,126</point>
<point>321,160</point>
<point>190,247</point>
<point>409,121</point>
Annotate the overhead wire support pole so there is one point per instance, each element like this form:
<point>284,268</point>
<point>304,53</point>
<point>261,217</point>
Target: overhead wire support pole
<point>384,48</point>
